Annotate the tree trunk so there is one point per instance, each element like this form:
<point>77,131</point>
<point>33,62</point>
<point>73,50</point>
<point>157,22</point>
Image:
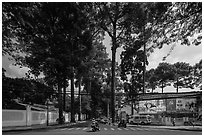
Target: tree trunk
<point>89,90</point>
<point>72,96</point>
<point>177,85</point>
<point>64,95</point>
<point>113,82</point>
<point>132,108</point>
<point>162,88</point>
<point>108,109</point>
<point>60,103</point>
<point>79,118</point>
<point>144,69</point>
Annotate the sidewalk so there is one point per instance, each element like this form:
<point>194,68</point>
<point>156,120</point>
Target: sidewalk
<point>188,128</point>
<point>22,128</point>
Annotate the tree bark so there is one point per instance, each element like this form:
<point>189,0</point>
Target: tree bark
<point>60,103</point>
<point>79,118</point>
<point>132,108</point>
<point>144,69</point>
<point>113,82</point>
<point>72,96</point>
<point>177,85</point>
<point>64,95</point>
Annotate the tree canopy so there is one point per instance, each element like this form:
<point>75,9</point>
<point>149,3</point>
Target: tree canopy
<point>181,23</point>
<point>179,74</point>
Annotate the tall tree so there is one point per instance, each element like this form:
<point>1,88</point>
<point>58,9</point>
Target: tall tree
<point>110,17</point>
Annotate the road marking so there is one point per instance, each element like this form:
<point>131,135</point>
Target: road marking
<point>105,129</point>
<point>146,129</point>
<point>63,129</point>
<point>132,128</point>
<point>70,128</point>
<point>78,128</point>
<point>84,128</point>
<point>119,129</point>
<point>126,128</point>
<point>112,129</point>
<point>138,128</point>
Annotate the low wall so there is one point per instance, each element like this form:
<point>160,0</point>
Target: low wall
<point>38,117</point>
<point>14,118</point>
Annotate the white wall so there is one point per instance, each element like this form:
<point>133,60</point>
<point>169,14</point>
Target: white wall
<point>14,118</point>
<point>29,117</point>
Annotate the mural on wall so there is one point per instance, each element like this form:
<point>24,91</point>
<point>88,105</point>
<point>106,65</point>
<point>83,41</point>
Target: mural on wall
<point>186,105</point>
<point>169,105</point>
<point>152,106</point>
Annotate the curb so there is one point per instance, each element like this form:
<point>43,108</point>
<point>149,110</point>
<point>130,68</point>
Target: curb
<point>169,128</point>
<point>186,129</point>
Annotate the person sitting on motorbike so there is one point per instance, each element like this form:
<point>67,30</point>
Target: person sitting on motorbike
<point>95,123</point>
<point>122,123</point>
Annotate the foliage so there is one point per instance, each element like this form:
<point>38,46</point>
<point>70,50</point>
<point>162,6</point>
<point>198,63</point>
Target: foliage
<point>151,79</point>
<point>10,26</point>
<point>198,74</point>
<point>25,91</point>
<point>181,23</point>
<point>164,73</point>
<point>181,72</point>
<point>195,77</point>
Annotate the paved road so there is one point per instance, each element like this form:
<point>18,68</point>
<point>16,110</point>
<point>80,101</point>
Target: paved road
<point>84,129</point>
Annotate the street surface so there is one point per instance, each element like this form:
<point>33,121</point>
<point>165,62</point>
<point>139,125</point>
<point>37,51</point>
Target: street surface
<point>84,129</point>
